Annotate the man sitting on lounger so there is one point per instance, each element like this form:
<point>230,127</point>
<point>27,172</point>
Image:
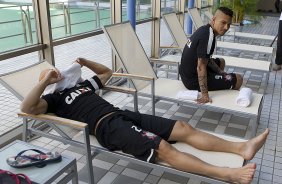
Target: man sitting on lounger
<point>198,70</point>
<point>144,136</point>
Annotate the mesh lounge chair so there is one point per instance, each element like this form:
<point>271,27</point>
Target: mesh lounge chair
<point>129,50</point>
<point>29,77</point>
<point>180,39</point>
<point>243,34</point>
<point>197,22</point>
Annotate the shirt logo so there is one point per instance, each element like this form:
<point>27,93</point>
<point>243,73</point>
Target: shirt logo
<point>189,43</point>
<point>149,135</point>
<point>73,95</point>
<point>228,77</point>
<point>218,77</point>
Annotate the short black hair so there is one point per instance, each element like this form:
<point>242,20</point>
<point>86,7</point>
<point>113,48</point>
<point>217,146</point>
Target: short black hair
<point>226,11</point>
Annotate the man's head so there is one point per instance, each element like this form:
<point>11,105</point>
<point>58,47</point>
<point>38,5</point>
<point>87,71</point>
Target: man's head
<point>221,20</point>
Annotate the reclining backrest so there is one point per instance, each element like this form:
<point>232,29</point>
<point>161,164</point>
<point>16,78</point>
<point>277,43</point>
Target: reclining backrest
<point>20,82</point>
<point>196,17</point>
<point>209,15</point>
<point>175,29</point>
<point>129,50</point>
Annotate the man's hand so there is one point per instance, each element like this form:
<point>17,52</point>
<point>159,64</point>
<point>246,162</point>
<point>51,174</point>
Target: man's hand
<point>204,99</point>
<point>80,61</point>
<point>32,103</point>
<point>103,72</point>
<point>53,76</point>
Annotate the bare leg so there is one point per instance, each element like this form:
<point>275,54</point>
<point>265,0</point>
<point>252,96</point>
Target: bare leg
<point>222,64</point>
<point>239,77</point>
<point>239,81</point>
<point>190,163</point>
<point>183,132</point>
<point>276,67</point>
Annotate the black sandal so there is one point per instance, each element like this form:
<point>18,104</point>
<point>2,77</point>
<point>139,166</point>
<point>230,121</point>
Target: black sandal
<point>40,159</point>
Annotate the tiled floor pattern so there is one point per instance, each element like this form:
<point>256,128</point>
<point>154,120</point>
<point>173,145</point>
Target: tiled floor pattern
<point>111,170</point>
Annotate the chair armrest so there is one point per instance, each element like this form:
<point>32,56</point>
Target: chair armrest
<point>170,47</point>
<point>54,119</point>
<point>119,89</point>
<point>161,61</point>
<point>131,76</point>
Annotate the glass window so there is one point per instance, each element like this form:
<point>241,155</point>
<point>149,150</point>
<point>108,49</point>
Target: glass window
<point>169,6</point>
<point>75,17</point>
<point>17,25</point>
<point>124,11</point>
<point>143,10</point>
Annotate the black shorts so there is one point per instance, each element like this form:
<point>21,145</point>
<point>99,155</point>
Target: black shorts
<point>134,133</point>
<point>215,81</point>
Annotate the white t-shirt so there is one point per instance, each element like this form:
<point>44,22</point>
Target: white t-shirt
<point>280,16</point>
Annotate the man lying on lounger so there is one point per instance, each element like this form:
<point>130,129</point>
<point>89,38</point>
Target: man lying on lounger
<point>144,136</point>
<point>197,69</point>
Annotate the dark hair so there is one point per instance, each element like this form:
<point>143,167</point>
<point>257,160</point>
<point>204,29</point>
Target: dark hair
<point>226,11</point>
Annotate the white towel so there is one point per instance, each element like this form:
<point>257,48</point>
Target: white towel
<point>245,97</point>
<point>187,95</point>
<point>72,76</point>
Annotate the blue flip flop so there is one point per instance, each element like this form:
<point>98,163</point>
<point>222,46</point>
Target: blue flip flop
<point>38,159</point>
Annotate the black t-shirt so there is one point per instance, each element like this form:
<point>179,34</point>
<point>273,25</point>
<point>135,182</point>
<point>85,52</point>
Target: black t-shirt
<point>80,103</point>
<point>200,45</point>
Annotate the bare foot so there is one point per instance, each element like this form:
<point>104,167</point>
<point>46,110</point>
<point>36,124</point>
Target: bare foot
<point>276,67</point>
<point>252,146</point>
<point>243,175</point>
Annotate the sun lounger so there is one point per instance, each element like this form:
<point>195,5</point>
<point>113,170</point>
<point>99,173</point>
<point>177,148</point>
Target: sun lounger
<point>244,34</point>
<point>29,77</point>
<point>197,22</point>
<point>249,64</point>
<point>246,47</point>
<point>129,50</point>
<point>178,34</point>
<point>180,39</point>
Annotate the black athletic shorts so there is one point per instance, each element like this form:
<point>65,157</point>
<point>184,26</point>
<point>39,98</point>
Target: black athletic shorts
<point>134,133</point>
<point>215,81</point>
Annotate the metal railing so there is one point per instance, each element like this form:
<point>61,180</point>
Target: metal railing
<point>169,6</point>
<point>68,23</point>
<point>141,9</point>
<point>68,11</point>
<point>25,21</point>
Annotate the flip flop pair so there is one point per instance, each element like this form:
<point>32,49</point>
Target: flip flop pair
<point>37,158</point>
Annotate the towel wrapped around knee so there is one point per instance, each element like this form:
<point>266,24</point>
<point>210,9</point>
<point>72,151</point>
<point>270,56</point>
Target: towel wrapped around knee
<point>245,97</point>
<point>72,76</point>
<point>187,95</point>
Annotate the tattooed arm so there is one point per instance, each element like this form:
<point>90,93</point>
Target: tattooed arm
<point>202,77</point>
<point>214,67</point>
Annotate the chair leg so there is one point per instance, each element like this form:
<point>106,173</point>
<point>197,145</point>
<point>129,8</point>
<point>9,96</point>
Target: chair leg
<point>177,73</point>
<point>25,131</point>
<point>75,178</point>
<point>88,156</point>
<point>135,99</point>
<point>153,96</point>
